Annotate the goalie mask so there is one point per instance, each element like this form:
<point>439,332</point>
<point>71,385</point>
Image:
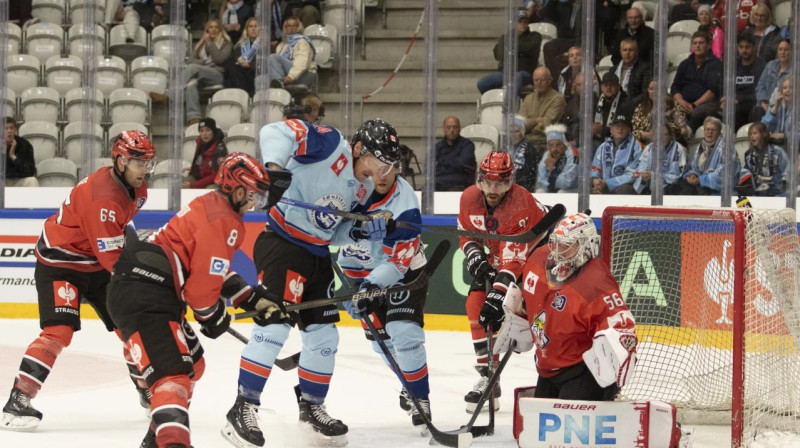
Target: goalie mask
<point>573,243</point>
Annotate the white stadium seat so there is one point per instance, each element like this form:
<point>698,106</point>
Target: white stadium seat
<point>44,40</point>
<point>12,38</point>
<point>190,135</point>
<point>486,138</point>
<point>545,29</point>
<point>324,38</point>
<point>742,141</point>
<point>101,162</point>
<point>76,42</point>
<point>129,105</point>
<point>782,11</point>
<point>161,37</point>
<point>74,101</point>
<point>22,72</point>
<point>278,99</point>
<point>150,73</point>
<point>49,10</point>
<point>57,172</point>
<point>490,108</point>
<point>160,176</point>
<point>75,142</point>
<point>78,9</point>
<point>227,107</point>
<point>334,12</point>
<point>111,74</point>
<point>128,51</point>
<point>40,103</point>
<point>11,103</point>
<point>64,73</point>
<point>242,138</point>
<point>43,136</point>
<point>603,65</point>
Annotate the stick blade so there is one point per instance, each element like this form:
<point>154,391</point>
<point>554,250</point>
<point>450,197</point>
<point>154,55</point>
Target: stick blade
<point>451,439</point>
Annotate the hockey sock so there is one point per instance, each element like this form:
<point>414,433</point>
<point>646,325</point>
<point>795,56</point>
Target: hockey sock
<point>408,340</point>
<point>170,410</point>
<point>40,357</point>
<point>258,356</point>
<point>317,360</point>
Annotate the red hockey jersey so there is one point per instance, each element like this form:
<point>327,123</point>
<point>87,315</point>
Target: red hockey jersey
<point>564,321</point>
<point>87,233</point>
<point>203,236</point>
<point>518,212</point>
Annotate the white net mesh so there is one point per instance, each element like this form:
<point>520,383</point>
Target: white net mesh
<point>677,275</point>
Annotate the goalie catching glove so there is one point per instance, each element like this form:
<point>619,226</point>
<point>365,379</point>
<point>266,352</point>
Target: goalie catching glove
<point>515,328</point>
<point>612,356</point>
<point>270,310</point>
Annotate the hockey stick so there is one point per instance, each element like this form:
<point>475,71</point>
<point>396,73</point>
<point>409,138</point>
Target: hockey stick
<point>421,280</point>
<point>460,440</point>
<point>539,230</point>
<point>288,363</point>
<point>490,369</point>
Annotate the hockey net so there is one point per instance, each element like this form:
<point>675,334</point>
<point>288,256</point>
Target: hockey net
<point>715,294</point>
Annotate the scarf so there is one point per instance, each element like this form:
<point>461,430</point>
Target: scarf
<point>705,154</point>
<point>763,173</point>
<point>230,17</point>
<point>598,112</point>
<point>291,41</point>
<point>616,158</point>
<point>626,77</point>
<point>249,49</point>
<point>553,176</point>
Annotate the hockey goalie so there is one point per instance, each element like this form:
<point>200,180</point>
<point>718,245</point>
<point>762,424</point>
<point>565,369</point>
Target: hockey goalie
<point>570,307</point>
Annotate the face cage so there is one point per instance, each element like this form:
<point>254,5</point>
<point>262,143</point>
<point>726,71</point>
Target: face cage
<point>495,186</point>
<point>149,164</point>
<point>261,199</point>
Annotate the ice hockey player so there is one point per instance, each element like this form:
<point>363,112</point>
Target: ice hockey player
<point>293,259</point>
<point>584,334</point>
<point>381,256</point>
<point>187,263</point>
<point>74,258</point>
<point>494,204</point>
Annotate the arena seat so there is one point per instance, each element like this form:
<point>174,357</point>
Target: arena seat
<point>78,9</point>
<point>334,12</point>
<point>43,136</point>
<point>278,99</point>
<point>22,72</point>
<point>160,176</point>
<point>129,104</point>
<point>12,38</point>
<point>75,143</point>
<point>40,103</point>
<point>227,107</point>
<point>603,65</point>
<point>160,40</point>
<point>11,103</point>
<point>57,172</point>
<point>52,11</point>
<point>490,108</point>
<point>742,143</point>
<point>111,74</point>
<point>76,44</point>
<point>116,128</point>
<point>63,73</point>
<point>150,74</point>
<point>73,104</point>
<point>486,138</point>
<point>325,40</point>
<point>44,40</point>
<point>242,138</point>
<point>190,135</point>
<point>128,51</point>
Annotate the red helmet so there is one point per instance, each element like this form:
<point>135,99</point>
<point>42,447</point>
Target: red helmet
<point>240,170</point>
<point>133,145</point>
<point>496,166</point>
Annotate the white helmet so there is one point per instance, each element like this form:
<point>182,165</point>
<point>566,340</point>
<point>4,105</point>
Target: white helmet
<point>573,243</point>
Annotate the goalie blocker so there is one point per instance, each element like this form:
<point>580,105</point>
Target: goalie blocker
<point>545,422</point>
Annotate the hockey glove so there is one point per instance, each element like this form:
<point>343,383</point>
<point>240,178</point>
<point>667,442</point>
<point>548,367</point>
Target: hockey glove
<point>351,309</point>
<point>477,264</point>
<point>217,323</point>
<point>279,182</point>
<point>492,311</point>
<point>379,227</point>
<point>368,299</point>
<point>271,310</point>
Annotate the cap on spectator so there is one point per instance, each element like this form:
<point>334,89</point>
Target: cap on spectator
<point>522,15</point>
<point>621,118</point>
<point>609,78</point>
<point>557,132</point>
<point>207,123</point>
<point>706,8</point>
<point>520,122</point>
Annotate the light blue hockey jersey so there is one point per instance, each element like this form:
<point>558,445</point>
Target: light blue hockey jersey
<point>384,263</point>
<point>321,163</point>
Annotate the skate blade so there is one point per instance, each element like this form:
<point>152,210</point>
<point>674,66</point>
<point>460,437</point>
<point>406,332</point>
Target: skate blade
<point>230,434</point>
<point>12,422</point>
<point>471,406</point>
<point>321,440</point>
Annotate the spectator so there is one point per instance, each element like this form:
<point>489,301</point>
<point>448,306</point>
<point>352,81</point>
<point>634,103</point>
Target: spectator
<point>607,15</point>
<point>637,30</point>
<point>616,160</point>
<point>541,108</point>
<point>711,26</point>
<point>765,32</point>
<point>683,10</point>
<point>19,12</point>
<point>779,114</point>
<point>572,111</point>
<point>566,16</point>
<point>308,11</point>
<point>673,161</point>
<point>643,117</point>
<point>771,78</point>
<point>567,76</point>
<point>455,159</point>
<point>743,11</point>
<point>704,175</point>
<point>558,169</point>
<point>611,103</point>
<point>698,82</point>
<point>233,14</point>
<point>528,43</point>
<point>209,151</point>
<point>748,72</point>
<point>632,71</point>
<point>241,73</point>
<point>123,11</point>
<point>534,9</point>
<point>764,165</point>
<point>293,61</point>
<point>525,157</point>
<point>20,165</point>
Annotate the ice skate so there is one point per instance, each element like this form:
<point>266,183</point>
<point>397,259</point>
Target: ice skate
<point>242,427</point>
<point>332,430</point>
<point>477,391</point>
<point>144,399</point>
<point>405,401</point>
<point>417,419</point>
<point>18,414</point>
<point>149,440</point>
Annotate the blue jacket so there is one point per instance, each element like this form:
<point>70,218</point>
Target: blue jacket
<point>616,164</point>
<point>770,79</point>
<point>710,176</point>
<point>563,178</point>
<point>768,177</point>
<point>673,160</point>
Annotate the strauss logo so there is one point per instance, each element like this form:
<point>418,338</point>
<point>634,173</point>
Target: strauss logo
<point>296,288</point>
<point>718,282</point>
<point>68,293</point>
<point>135,351</point>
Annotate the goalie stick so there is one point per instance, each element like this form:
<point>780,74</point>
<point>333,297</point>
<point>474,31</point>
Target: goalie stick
<point>538,231</point>
<point>422,279</point>
<point>288,363</point>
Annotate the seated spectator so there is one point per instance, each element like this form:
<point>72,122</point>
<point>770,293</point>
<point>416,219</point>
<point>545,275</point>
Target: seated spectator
<point>308,11</point>
<point>779,114</point>
<point>566,16</point>
<point>748,72</point>
<point>233,14</point>
<point>632,72</point>
<point>558,169</point>
<point>541,108</point>
<point>683,10</point>
<point>133,13</point>
<point>19,12</point>
<point>768,87</point>
<point>209,151</point>
<point>567,76</point>
<point>455,159</point>
<point>636,29</point>
<point>525,157</point>
<point>534,9</point>
<point>697,86</point>
<point>528,43</point>
<point>764,165</point>
<point>711,26</point>
<point>704,175</point>
<point>673,161</point>
<point>612,102</point>
<point>765,32</point>
<point>241,72</point>
<point>743,11</point>
<point>20,165</point>
<point>572,111</point>
<point>293,62</point>
<point>616,160</point>
<point>643,117</point>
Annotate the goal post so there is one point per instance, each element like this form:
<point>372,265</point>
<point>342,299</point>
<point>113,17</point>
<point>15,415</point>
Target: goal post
<point>714,292</point>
